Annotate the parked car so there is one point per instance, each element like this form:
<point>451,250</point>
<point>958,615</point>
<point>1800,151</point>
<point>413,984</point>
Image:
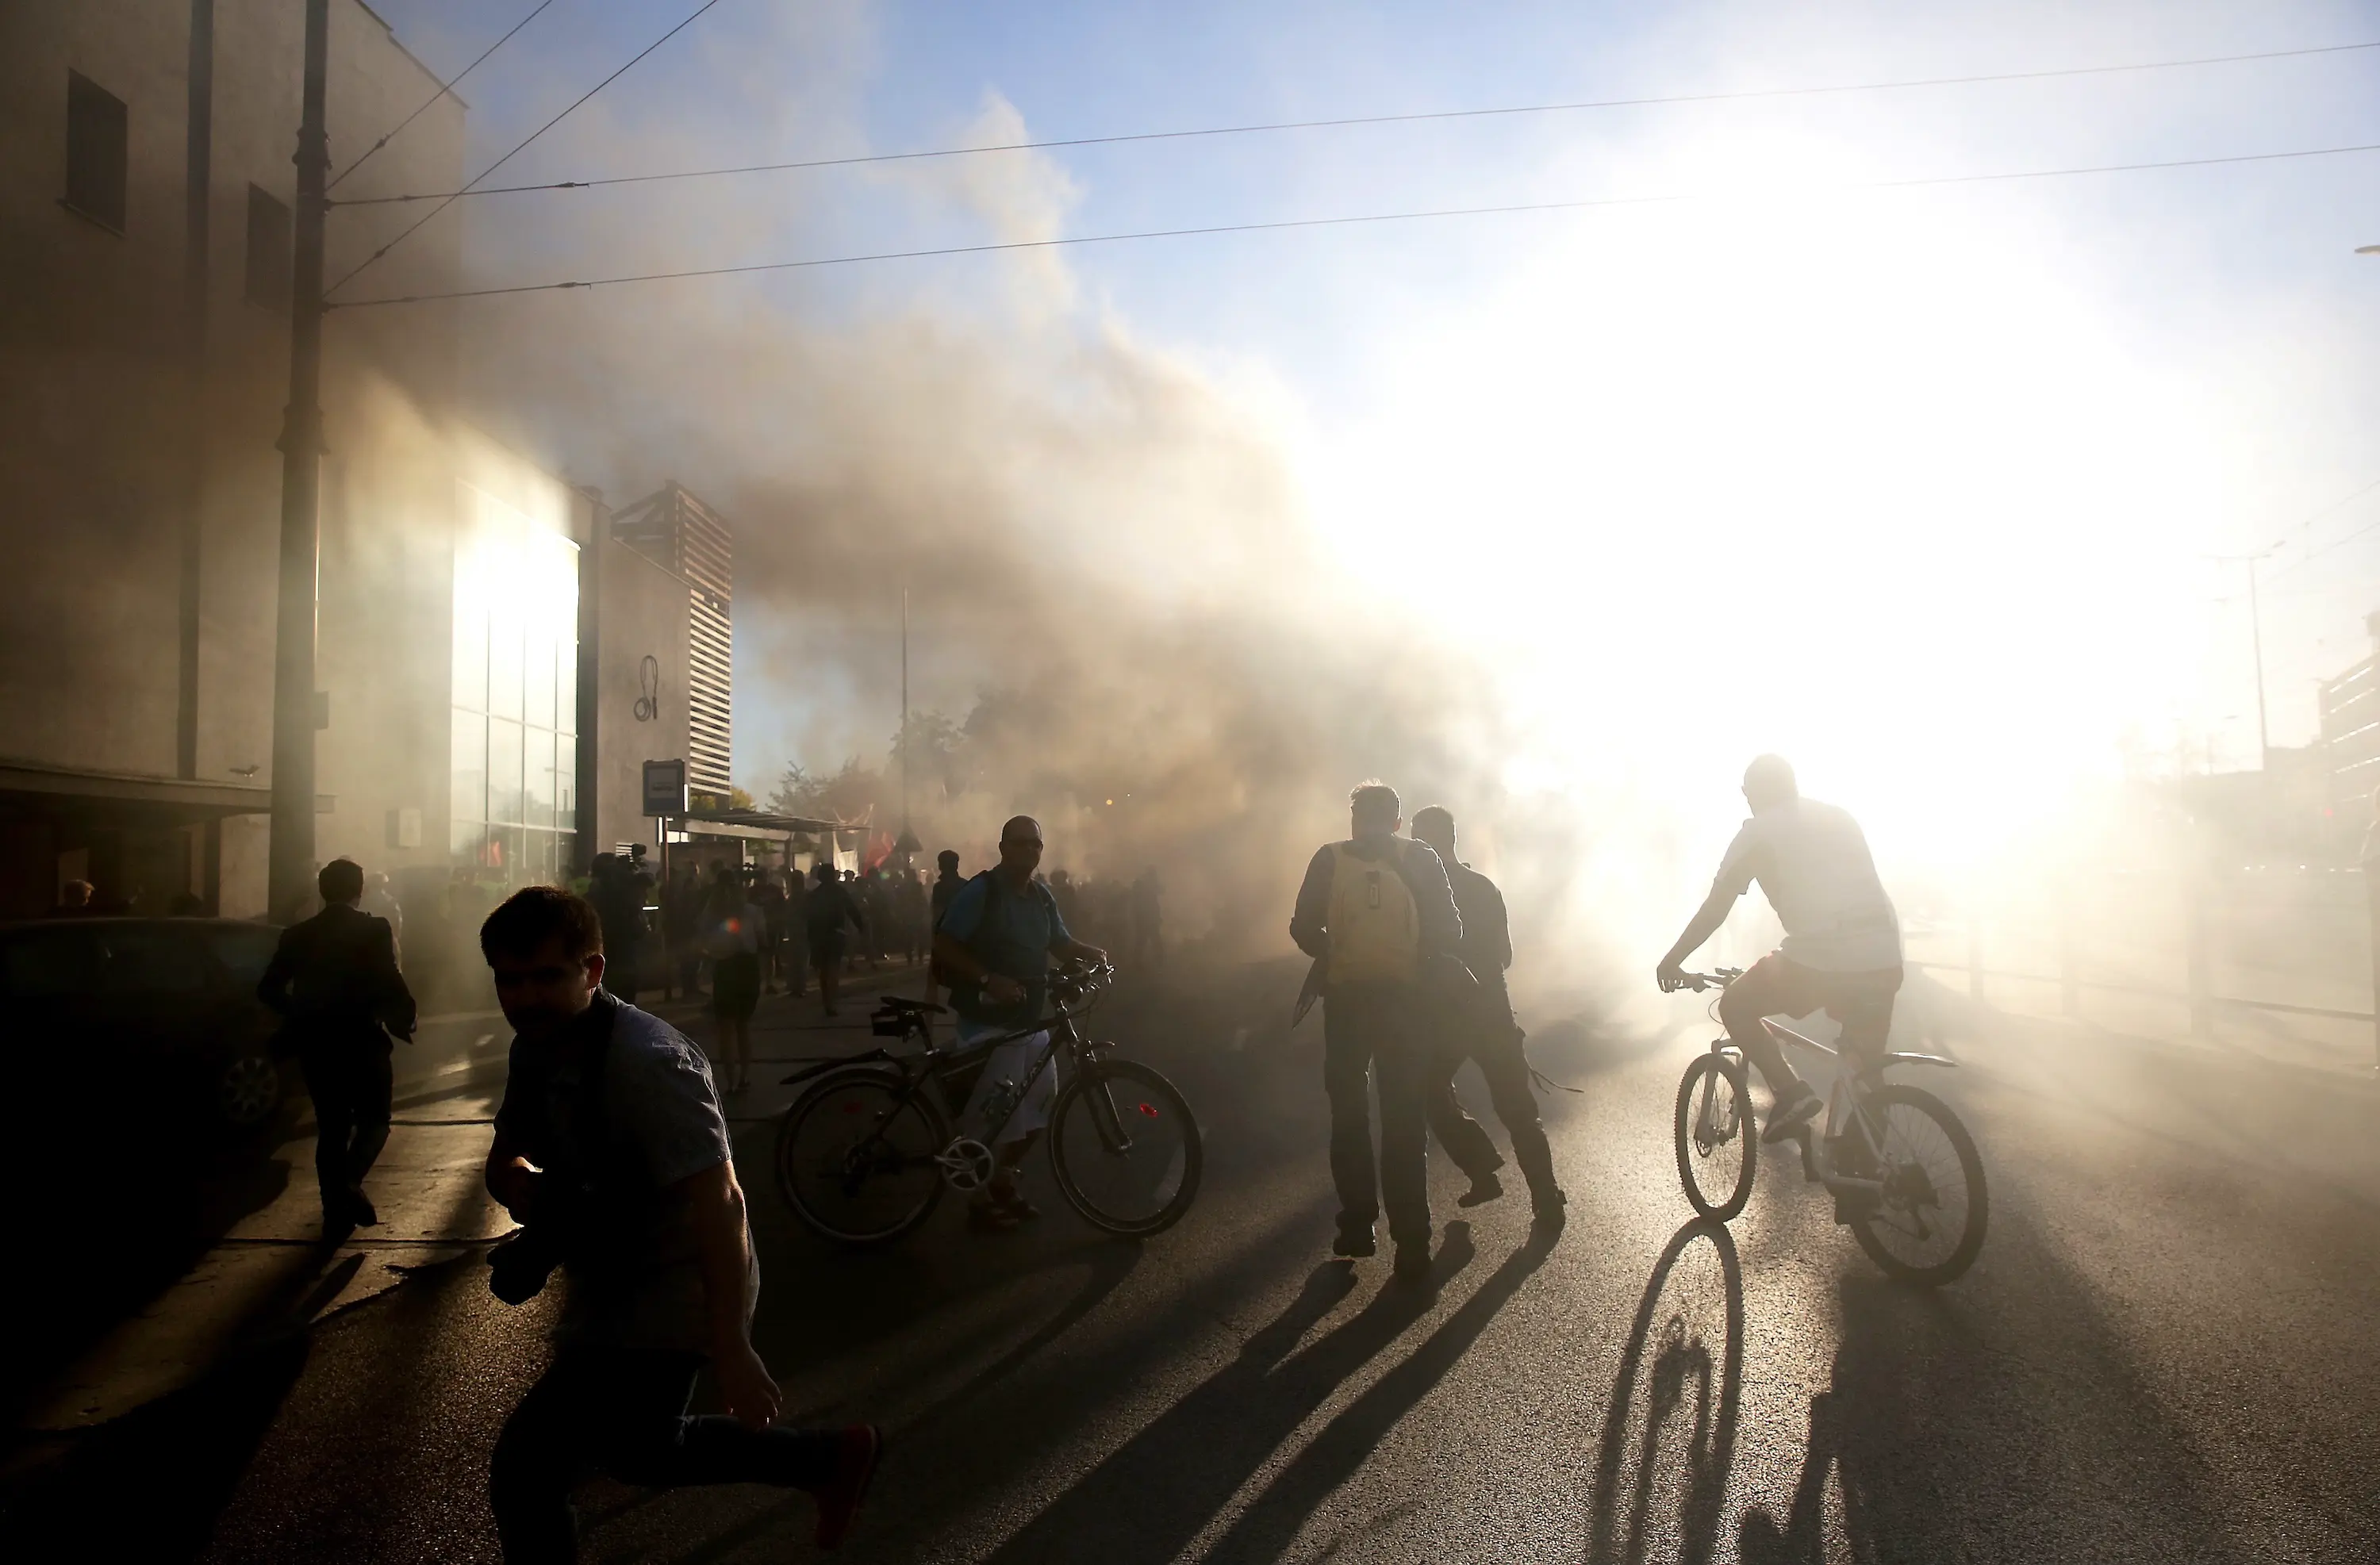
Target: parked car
<point>149,1017</point>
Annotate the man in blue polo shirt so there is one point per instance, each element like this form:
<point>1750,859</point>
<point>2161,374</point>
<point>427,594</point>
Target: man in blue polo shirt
<point>994,946</point>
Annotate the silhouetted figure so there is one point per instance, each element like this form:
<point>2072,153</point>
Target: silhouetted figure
<point>909,909</point>
<point>1370,911</point>
<point>734,928</point>
<point>681,927</point>
<point>1476,1023</point>
<point>611,1150</point>
<point>333,980</point>
<point>74,900</point>
<point>831,912</point>
<point>1842,952</point>
<point>618,894</point>
<point>947,882</point>
<point>995,943</point>
<point>795,956</point>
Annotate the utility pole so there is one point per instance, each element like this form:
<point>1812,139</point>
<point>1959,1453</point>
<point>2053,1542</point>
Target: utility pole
<point>290,871</point>
<point>904,712</point>
<point>2256,644</point>
<point>2256,640</point>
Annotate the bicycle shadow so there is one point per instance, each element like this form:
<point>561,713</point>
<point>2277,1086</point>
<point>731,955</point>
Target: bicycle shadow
<point>1688,1372</point>
<point>1153,1495</point>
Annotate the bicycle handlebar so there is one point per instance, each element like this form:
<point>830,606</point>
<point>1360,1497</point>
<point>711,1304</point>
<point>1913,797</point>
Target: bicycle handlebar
<point>1720,978</point>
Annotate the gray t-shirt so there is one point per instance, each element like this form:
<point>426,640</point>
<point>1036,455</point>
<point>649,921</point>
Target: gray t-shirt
<point>640,1286</point>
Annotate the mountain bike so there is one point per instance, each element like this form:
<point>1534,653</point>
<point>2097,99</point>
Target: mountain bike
<point>1905,1174</point>
<point>864,1153</point>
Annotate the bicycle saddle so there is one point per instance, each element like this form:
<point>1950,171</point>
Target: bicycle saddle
<point>914,1007</point>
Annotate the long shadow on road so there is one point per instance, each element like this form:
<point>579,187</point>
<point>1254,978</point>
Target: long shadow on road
<point>1160,1488</point>
<point>1269,1525</point>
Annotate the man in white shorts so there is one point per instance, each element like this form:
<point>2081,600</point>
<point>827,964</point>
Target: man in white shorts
<point>1841,953</point>
<point>993,948</point>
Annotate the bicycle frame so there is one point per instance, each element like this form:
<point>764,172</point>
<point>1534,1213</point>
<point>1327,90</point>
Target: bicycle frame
<point>934,1064</point>
<point>1846,1107</point>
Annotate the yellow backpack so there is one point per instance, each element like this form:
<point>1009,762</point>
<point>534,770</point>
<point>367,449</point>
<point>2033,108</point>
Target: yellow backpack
<point>1375,926</point>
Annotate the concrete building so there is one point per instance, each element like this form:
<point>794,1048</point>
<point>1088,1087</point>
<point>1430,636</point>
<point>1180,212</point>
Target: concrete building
<point>145,199</point>
<point>659,660</point>
<point>146,186</point>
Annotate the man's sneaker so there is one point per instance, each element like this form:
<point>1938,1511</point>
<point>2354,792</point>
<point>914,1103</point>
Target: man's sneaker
<point>1549,1210</point>
<point>859,1451</point>
<point>1791,1115</point>
<point>1354,1242</point>
<point>359,1208</point>
<point>1413,1264</point>
<point>1486,1188</point>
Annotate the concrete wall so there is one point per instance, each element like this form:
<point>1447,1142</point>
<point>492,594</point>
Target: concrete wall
<point>113,445</point>
<point>643,615</point>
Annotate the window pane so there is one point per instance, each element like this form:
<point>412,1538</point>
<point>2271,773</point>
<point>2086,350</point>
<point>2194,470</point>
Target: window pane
<point>52,962</point>
<point>470,840</point>
<point>565,783</point>
<point>471,587</point>
<point>155,961</point>
<point>539,777</point>
<point>96,145</point>
<point>505,631</point>
<point>469,764</point>
<point>506,800</point>
<point>537,678</point>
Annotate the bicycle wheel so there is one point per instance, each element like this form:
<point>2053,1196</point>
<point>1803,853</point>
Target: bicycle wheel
<point>1719,1140</point>
<point>856,1157</point>
<point>1125,1148</point>
<point>1929,1223</point>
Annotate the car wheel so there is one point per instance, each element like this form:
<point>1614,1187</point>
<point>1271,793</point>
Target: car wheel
<point>249,1091</point>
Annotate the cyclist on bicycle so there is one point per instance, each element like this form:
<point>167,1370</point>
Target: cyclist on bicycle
<point>993,948</point>
<point>1842,952</point>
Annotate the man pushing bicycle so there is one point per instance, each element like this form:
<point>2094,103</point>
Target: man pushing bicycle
<point>1842,952</point>
<point>993,948</point>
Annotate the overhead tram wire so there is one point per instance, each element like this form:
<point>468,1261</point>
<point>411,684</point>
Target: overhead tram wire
<point>445,88</point>
<point>1265,128</point>
<point>509,157</point>
<point>2346,537</point>
<point>1281,223</point>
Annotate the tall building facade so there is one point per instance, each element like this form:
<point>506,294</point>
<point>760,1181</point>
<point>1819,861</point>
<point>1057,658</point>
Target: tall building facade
<point>682,535</point>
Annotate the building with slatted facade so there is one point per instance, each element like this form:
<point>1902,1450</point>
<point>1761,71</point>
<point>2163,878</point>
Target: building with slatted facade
<point>682,535</point>
<point>2351,736</point>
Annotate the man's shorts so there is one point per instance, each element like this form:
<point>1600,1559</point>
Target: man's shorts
<point>1009,1062</point>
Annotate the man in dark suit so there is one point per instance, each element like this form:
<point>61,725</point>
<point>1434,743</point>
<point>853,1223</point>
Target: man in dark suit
<point>333,980</point>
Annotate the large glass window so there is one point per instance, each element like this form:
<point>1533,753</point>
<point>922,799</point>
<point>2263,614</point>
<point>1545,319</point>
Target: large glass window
<point>515,755</point>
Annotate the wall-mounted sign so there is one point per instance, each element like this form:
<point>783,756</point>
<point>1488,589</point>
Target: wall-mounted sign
<point>665,788</point>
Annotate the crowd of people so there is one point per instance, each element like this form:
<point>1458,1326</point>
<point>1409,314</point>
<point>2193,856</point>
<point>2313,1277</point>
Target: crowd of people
<point>611,1149</point>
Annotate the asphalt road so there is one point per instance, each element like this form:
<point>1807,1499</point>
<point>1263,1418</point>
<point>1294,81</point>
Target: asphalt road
<point>2165,1352</point>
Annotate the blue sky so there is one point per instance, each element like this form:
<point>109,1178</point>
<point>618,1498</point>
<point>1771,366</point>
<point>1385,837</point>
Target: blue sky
<point>2214,321</point>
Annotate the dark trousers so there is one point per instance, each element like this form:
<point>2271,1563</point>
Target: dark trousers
<point>1861,1002</point>
<point>1378,1029</point>
<point>622,1411</point>
<point>350,1085</point>
<point>1484,1031</point>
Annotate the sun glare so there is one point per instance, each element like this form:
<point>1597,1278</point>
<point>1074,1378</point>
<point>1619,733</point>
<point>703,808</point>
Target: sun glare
<point>1864,481</point>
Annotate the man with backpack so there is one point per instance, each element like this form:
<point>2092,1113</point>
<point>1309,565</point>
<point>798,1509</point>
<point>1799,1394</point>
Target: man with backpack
<point>1373,911</point>
<point>1477,1023</point>
<point>993,948</point>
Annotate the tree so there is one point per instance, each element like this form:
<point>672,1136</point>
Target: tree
<point>930,755</point>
